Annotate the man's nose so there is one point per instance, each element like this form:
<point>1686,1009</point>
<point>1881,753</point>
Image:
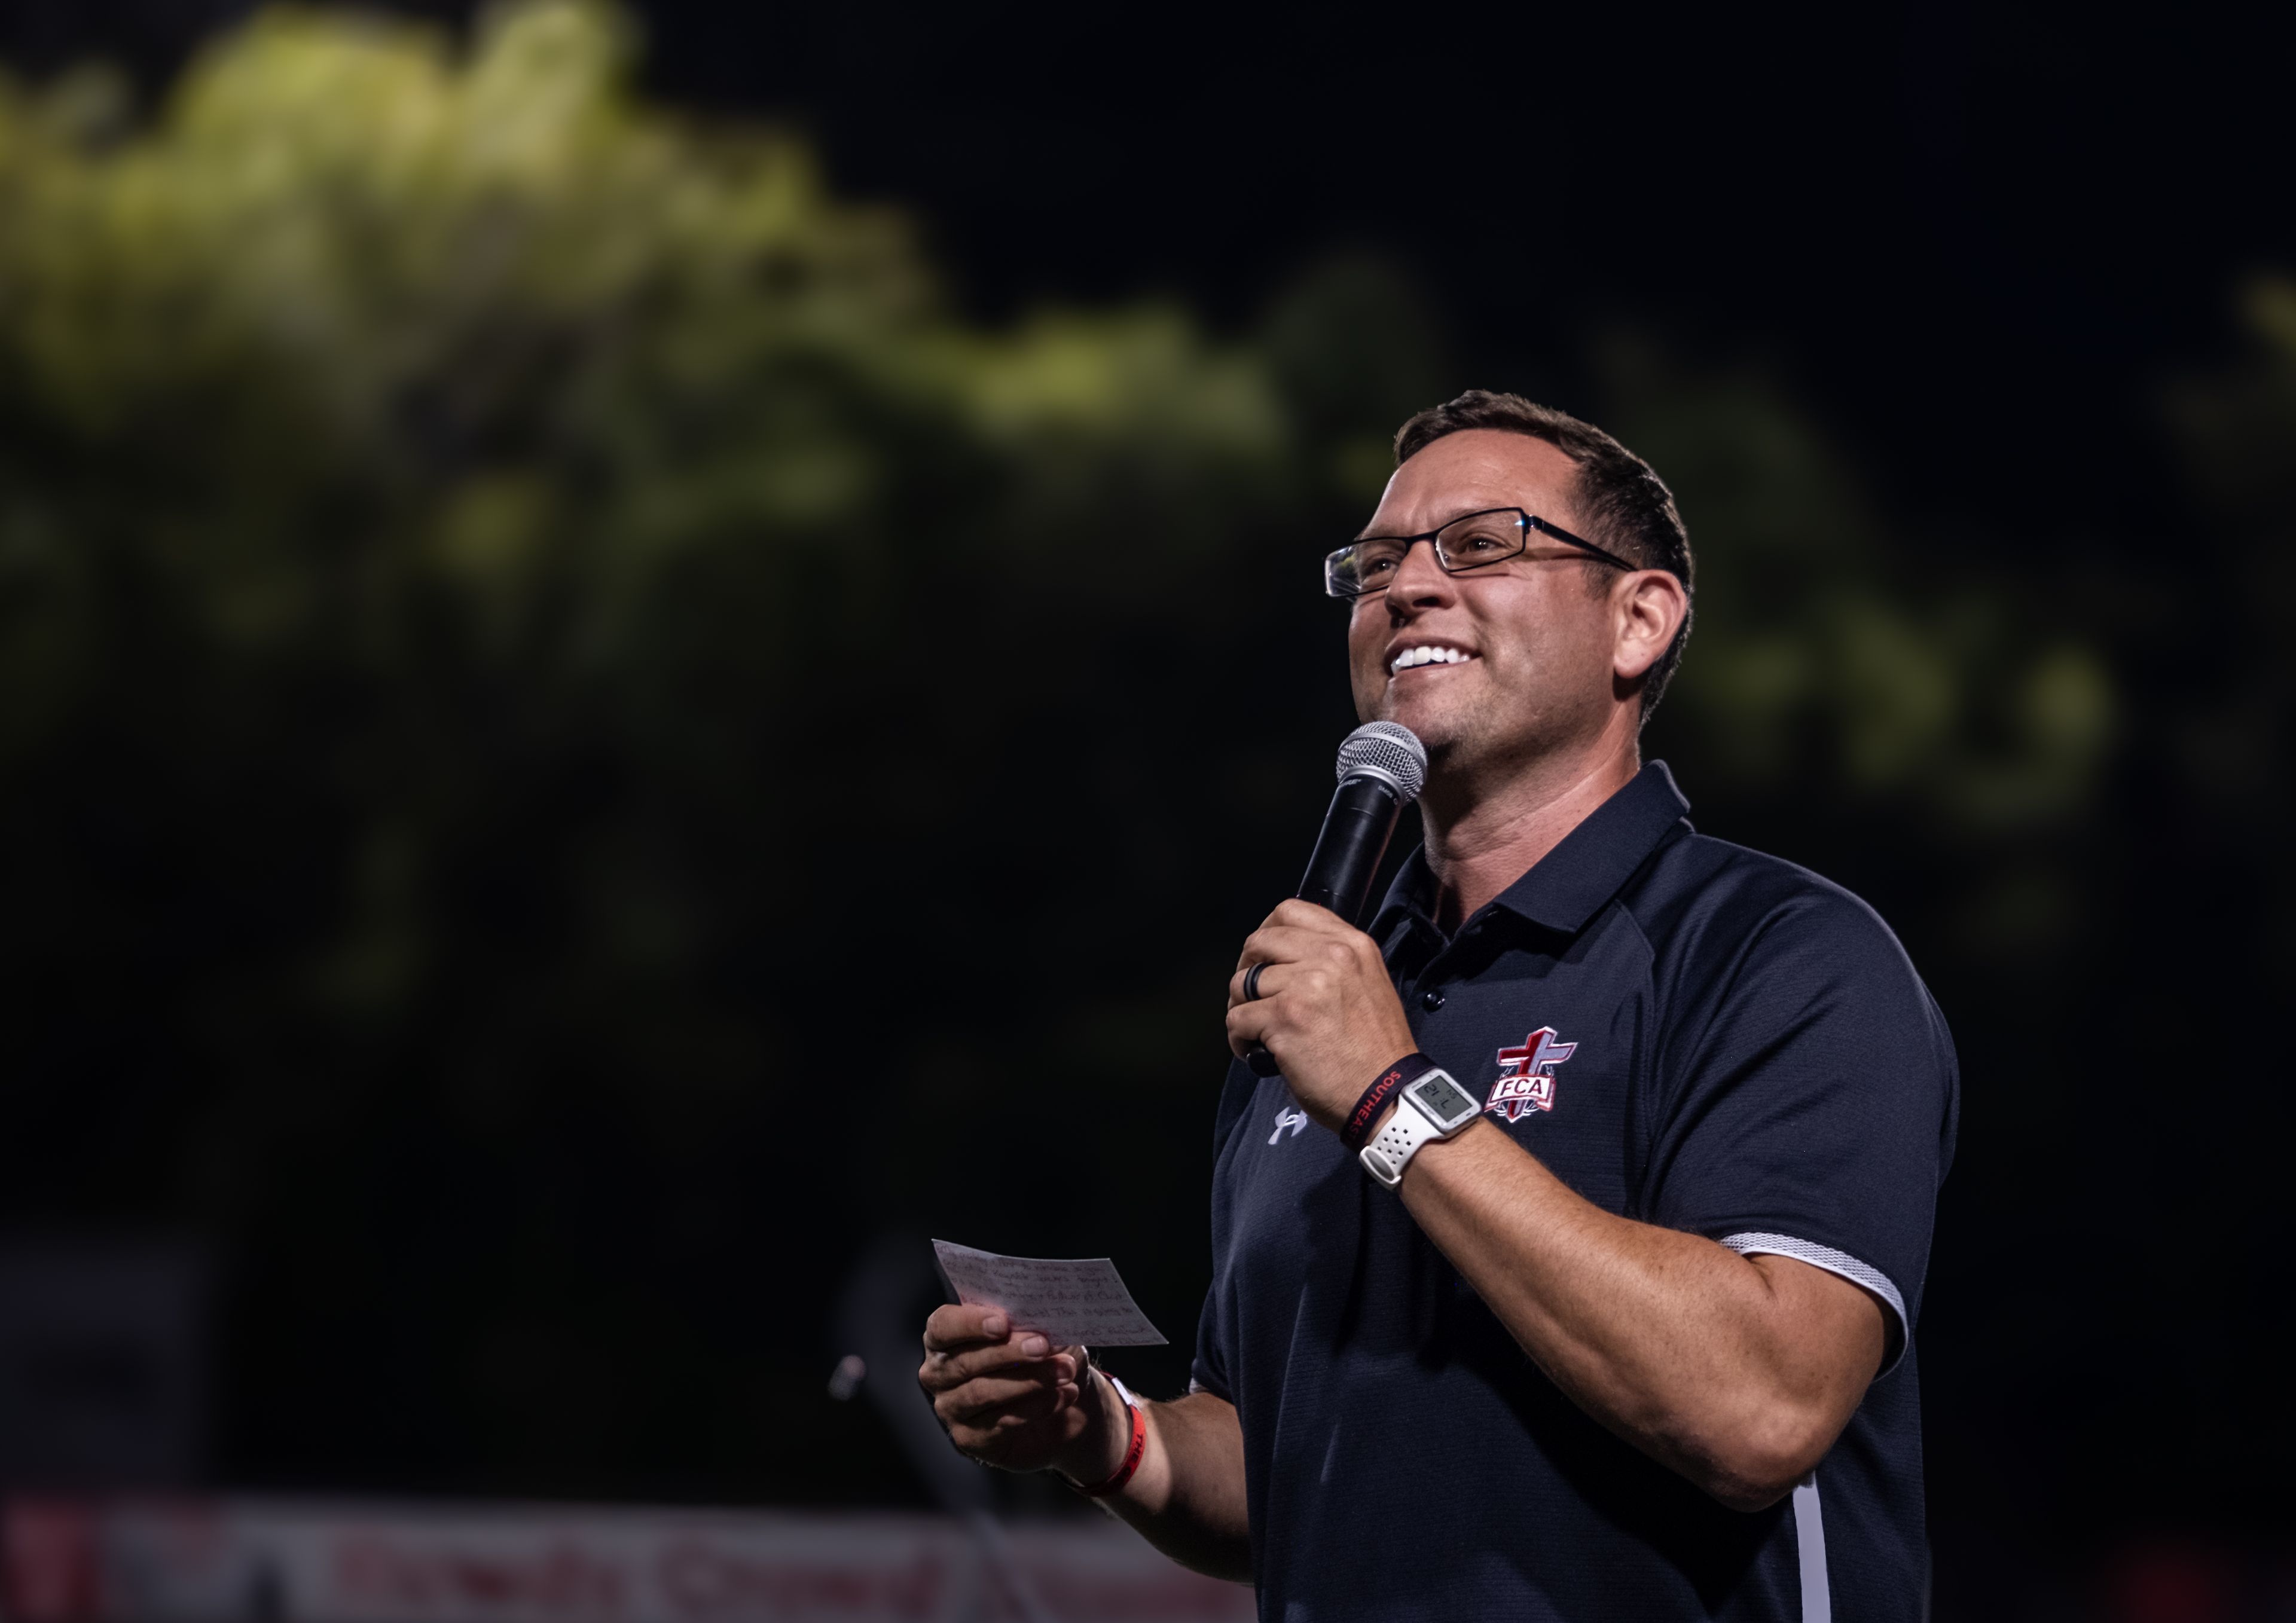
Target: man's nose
<point>1419,581</point>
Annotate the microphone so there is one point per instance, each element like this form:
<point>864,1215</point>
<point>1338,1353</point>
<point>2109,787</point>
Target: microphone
<point>1382,766</point>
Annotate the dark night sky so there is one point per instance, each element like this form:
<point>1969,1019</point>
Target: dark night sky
<point>1918,213</point>
<point>1915,213</point>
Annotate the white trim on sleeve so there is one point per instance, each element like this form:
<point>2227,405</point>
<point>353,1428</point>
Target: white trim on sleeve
<point>1836,1262</point>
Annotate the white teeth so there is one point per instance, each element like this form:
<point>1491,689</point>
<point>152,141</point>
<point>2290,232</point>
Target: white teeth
<point>1426,655</point>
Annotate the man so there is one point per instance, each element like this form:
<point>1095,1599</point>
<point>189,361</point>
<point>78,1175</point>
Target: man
<point>1635,1338</point>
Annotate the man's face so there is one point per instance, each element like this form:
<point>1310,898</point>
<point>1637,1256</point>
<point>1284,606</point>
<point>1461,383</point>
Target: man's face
<point>1537,645</point>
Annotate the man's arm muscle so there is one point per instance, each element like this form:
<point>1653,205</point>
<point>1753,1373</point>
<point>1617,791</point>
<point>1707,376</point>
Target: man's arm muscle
<point>1739,1372</point>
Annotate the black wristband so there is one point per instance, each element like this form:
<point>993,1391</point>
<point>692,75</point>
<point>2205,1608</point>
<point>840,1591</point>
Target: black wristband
<point>1355,1132</point>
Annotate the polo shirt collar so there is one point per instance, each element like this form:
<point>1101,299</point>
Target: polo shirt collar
<point>1566,888</point>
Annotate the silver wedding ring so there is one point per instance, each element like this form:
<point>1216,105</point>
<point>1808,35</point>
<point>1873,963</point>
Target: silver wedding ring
<point>1251,983</point>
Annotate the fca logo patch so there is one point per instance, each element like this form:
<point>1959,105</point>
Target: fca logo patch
<point>1527,1075</point>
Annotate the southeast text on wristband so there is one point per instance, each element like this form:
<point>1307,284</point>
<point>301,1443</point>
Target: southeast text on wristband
<point>1355,1132</point>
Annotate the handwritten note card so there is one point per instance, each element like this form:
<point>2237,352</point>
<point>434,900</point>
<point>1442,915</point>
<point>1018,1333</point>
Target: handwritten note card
<point>1075,1300</point>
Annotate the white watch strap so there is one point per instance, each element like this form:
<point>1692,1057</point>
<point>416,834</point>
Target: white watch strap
<point>1407,1131</point>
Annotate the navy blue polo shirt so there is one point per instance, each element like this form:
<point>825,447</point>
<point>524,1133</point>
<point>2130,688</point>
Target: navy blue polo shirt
<point>1688,1034</point>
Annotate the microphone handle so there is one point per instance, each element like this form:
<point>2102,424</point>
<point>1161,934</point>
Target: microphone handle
<point>1346,860</point>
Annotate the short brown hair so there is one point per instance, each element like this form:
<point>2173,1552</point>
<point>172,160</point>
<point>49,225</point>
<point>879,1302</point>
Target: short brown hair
<point>1626,506</point>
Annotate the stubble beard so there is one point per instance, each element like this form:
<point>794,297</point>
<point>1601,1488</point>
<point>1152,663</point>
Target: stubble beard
<point>1458,732</point>
<point>1479,742</point>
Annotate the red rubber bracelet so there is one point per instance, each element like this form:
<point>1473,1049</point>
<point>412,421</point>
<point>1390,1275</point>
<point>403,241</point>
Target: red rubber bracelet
<point>1131,1454</point>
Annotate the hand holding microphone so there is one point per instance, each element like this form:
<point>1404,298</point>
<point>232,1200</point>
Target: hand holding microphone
<point>1311,993</point>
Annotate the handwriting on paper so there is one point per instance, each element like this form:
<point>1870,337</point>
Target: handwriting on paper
<point>1074,1301</point>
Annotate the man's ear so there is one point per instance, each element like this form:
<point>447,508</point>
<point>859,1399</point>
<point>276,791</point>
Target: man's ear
<point>1647,609</point>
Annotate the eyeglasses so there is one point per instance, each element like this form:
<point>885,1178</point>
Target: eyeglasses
<point>1472,541</point>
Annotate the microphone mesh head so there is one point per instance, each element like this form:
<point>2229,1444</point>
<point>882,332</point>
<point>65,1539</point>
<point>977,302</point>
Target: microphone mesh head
<point>1390,748</point>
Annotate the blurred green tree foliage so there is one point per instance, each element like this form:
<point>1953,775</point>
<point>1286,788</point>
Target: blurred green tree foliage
<point>533,639</point>
<point>1859,670</point>
<point>2236,428</point>
<point>513,607</point>
<point>1836,649</point>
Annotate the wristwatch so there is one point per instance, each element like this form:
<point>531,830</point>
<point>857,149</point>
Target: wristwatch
<point>1432,1108</point>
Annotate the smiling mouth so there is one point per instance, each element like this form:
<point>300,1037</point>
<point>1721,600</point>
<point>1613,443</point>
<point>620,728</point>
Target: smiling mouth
<point>1413,658</point>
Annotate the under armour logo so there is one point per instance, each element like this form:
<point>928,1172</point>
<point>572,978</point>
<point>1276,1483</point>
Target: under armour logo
<point>1297,1120</point>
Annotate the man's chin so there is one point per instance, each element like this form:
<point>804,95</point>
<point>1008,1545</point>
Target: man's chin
<point>1431,723</point>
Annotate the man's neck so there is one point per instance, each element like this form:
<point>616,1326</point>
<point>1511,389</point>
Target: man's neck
<point>1493,834</point>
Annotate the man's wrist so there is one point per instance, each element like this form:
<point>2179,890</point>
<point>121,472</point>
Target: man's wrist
<point>1357,1125</point>
<point>1107,1435</point>
<point>1429,1110</point>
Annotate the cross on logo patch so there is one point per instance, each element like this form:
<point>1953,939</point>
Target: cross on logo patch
<point>1527,1075</point>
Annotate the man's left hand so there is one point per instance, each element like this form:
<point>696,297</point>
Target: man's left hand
<point>1326,1009</point>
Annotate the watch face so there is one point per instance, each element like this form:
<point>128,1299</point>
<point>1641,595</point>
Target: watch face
<point>1442,1099</point>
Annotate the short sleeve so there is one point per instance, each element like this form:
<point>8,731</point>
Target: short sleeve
<point>1809,1096</point>
<point>1215,1325</point>
<point>1209,1372</point>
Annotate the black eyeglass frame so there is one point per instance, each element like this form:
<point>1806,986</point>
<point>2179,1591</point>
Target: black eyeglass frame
<point>1529,521</point>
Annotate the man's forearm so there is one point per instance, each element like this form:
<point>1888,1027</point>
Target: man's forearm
<point>1727,1370</point>
<point>1186,1498</point>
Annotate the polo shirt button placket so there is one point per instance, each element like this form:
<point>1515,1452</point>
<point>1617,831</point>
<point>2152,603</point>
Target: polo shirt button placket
<point>1430,1001</point>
